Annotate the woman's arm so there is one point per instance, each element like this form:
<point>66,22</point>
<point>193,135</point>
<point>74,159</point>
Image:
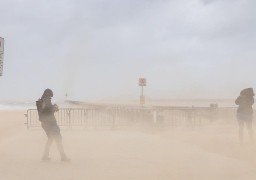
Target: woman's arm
<point>238,100</point>
<point>47,106</point>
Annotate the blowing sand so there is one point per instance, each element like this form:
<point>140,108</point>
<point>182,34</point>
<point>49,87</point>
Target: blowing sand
<point>210,152</point>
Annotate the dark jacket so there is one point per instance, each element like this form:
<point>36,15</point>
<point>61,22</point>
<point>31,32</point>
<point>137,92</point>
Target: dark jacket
<point>245,102</point>
<point>47,112</point>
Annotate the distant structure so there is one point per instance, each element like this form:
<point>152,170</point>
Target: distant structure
<point>142,83</point>
<point>1,55</point>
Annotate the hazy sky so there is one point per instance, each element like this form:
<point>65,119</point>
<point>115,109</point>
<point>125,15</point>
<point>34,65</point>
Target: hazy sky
<point>97,49</point>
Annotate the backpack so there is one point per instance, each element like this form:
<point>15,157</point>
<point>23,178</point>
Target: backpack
<point>39,107</point>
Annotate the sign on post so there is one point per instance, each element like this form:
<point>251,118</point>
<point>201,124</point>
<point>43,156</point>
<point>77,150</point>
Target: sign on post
<point>142,82</point>
<point>1,55</point>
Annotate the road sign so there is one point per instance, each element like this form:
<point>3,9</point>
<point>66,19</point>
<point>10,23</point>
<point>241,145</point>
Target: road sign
<point>1,55</point>
<point>142,81</point>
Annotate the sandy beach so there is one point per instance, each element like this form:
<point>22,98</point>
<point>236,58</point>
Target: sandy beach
<point>211,152</point>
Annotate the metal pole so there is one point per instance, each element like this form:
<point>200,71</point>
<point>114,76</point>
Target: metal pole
<point>141,98</point>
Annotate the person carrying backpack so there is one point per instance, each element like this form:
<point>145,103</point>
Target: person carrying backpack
<point>46,112</point>
<point>245,112</point>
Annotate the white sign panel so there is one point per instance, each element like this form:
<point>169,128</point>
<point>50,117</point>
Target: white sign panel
<point>1,55</point>
<point>142,82</point>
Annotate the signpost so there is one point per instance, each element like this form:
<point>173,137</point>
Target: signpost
<point>1,55</point>
<point>142,83</point>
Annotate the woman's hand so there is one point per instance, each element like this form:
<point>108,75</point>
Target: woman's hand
<point>56,108</point>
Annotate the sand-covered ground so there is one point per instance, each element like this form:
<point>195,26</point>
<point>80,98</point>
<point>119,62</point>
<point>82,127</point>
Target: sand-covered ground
<point>209,152</point>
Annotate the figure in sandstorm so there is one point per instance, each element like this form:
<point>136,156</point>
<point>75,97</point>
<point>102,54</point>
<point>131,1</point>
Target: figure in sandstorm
<point>46,112</point>
<point>245,112</point>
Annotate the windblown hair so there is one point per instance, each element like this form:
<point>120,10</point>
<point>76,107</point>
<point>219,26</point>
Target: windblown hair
<point>247,92</point>
<point>47,94</point>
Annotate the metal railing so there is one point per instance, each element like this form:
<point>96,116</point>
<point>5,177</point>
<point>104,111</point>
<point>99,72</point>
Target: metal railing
<point>127,117</point>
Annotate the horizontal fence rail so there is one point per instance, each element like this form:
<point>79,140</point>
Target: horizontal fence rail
<point>129,117</point>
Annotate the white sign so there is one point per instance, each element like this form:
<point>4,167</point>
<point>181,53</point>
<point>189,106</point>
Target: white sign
<point>1,55</point>
<point>142,82</point>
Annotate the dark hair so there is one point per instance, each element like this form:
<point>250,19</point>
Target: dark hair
<point>247,92</point>
<point>47,93</point>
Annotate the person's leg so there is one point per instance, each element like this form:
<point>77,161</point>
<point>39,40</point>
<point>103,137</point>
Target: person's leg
<point>58,140</point>
<point>241,130</point>
<point>47,148</point>
<point>47,131</point>
<point>59,144</point>
<point>250,130</point>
